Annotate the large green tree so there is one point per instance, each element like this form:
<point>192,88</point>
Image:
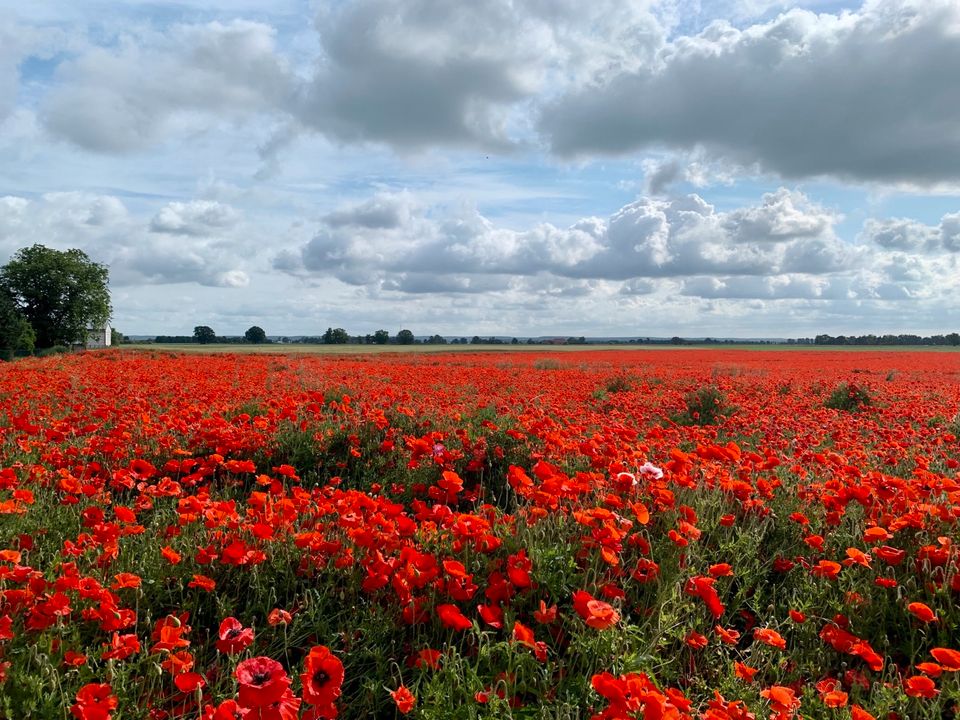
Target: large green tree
<point>336,336</point>
<point>61,293</point>
<point>255,335</point>
<point>16,335</point>
<point>204,335</point>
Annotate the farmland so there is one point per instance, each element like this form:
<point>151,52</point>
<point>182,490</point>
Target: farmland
<point>722,534</point>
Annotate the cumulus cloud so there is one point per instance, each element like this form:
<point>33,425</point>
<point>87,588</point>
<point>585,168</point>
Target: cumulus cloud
<point>123,99</point>
<point>910,235</point>
<point>197,217</point>
<point>867,95</point>
<point>422,73</point>
<point>197,246</point>
<point>392,241</point>
<point>416,74</point>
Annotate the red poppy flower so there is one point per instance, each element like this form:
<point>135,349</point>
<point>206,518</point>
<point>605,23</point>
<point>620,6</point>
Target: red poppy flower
<point>782,699</point>
<point>744,672</point>
<point>322,678</point>
<point>922,612</point>
<point>770,637</point>
<point>920,686</point>
<point>94,702</point>
<point>596,613</point>
<point>279,617</point>
<point>234,637</point>
<point>227,710</point>
<point>404,699</point>
<point>262,681</point>
<point>545,615</point>
<point>189,682</point>
<point>730,637</point>
<point>949,659</point>
<point>451,617</point>
<point>74,659</point>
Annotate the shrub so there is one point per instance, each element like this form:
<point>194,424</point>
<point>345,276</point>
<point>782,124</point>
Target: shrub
<point>848,397</point>
<point>705,406</point>
<point>55,350</point>
<point>619,383</point>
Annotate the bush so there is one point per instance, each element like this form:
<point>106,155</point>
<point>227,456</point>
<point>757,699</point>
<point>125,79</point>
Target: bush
<point>705,406</point>
<point>848,397</point>
<point>55,350</point>
<point>619,383</point>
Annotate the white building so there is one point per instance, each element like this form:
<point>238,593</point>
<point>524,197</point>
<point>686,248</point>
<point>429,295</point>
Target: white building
<point>98,337</point>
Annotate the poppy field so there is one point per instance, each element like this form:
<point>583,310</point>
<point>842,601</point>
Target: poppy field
<point>711,534</point>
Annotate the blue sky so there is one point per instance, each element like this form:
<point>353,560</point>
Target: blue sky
<point>519,167</point>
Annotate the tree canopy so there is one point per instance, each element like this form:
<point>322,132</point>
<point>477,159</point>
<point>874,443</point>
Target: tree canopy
<point>16,335</point>
<point>204,334</point>
<point>255,335</point>
<point>405,337</point>
<point>60,293</point>
<point>336,336</point>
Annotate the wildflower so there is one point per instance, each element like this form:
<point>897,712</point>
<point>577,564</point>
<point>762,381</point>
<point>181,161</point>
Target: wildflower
<point>262,681</point>
<point>95,701</point>
<point>234,637</point>
<point>770,637</point>
<point>920,686</point>
<point>782,699</point>
<point>596,613</point>
<point>404,699</point>
<point>279,617</point>
<point>451,617</point>
<point>922,612</point>
<point>949,659</point>
<point>322,679</point>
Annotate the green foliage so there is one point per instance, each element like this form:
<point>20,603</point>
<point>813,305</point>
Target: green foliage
<point>336,336</point>
<point>16,335</point>
<point>704,406</point>
<point>848,397</point>
<point>381,337</point>
<point>405,337</point>
<point>60,293</point>
<point>255,335</point>
<point>55,350</point>
<point>204,334</point>
<point>619,383</point>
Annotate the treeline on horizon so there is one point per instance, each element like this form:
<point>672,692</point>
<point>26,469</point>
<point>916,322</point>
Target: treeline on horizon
<point>339,336</point>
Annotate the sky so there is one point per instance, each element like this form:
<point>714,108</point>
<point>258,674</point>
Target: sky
<point>724,168</point>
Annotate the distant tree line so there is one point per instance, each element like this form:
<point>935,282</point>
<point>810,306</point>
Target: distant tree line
<point>203,334</point>
<point>951,339</point>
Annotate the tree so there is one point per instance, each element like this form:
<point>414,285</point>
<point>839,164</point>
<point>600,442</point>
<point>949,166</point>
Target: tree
<point>16,335</point>
<point>381,337</point>
<point>60,293</point>
<point>405,337</point>
<point>204,334</point>
<point>255,335</point>
<point>336,336</point>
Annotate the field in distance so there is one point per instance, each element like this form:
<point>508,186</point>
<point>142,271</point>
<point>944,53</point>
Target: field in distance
<point>351,349</point>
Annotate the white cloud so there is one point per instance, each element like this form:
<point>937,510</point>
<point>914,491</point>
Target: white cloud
<point>910,235</point>
<point>127,98</point>
<point>198,217</point>
<point>200,247</point>
<point>869,95</point>
<point>389,239</point>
